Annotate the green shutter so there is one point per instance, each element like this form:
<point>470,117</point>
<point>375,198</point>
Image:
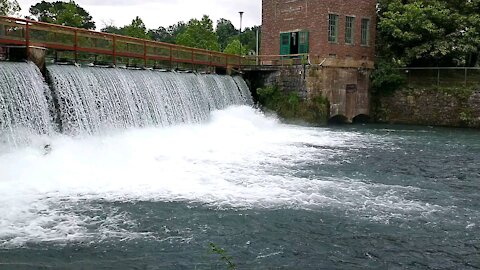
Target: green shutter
<point>284,43</point>
<point>303,42</point>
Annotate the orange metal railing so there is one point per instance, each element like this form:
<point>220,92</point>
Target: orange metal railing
<point>23,32</point>
<point>276,60</point>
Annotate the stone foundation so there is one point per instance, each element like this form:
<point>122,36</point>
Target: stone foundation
<point>347,89</point>
<point>436,107</point>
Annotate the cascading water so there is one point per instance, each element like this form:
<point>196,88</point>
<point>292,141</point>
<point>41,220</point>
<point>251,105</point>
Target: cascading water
<point>92,100</point>
<point>24,106</point>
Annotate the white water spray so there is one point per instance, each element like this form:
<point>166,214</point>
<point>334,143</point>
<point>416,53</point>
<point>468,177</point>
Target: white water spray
<point>93,100</point>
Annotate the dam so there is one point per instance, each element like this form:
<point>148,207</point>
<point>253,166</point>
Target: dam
<point>92,100</point>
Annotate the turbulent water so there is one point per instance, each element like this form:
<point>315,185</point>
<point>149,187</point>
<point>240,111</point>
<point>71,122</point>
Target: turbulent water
<point>92,100</point>
<point>272,195</point>
<point>23,103</point>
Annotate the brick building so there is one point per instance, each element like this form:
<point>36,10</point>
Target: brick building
<point>343,30</point>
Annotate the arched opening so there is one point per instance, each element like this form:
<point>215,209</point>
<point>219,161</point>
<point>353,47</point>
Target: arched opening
<point>338,120</point>
<point>361,119</point>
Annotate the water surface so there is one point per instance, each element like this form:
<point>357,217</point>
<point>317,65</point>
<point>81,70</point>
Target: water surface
<point>273,196</point>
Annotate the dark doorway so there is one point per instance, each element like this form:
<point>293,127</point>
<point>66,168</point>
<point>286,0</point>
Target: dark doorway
<point>294,43</point>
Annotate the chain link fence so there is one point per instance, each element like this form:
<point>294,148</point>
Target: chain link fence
<point>442,76</point>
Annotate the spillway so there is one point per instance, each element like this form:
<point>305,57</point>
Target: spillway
<point>24,102</point>
<point>93,99</point>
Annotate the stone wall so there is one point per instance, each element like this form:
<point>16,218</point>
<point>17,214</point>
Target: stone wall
<point>346,89</point>
<point>437,107</point>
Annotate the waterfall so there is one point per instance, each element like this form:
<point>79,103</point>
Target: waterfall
<point>94,99</point>
<point>24,103</point>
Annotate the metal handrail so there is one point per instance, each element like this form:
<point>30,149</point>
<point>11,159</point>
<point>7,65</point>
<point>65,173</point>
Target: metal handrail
<point>276,60</point>
<point>27,26</point>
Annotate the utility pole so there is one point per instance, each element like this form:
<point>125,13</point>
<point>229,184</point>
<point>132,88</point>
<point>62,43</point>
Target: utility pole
<point>257,47</point>
<point>240,31</point>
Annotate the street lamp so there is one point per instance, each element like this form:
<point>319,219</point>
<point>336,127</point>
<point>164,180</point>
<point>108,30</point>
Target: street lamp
<point>240,32</point>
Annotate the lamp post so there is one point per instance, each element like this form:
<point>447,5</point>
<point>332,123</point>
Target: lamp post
<point>240,31</point>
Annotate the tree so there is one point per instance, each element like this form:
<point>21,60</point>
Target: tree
<point>249,38</point>
<point>135,29</point>
<point>428,32</point>
<point>169,34</point>
<point>112,29</point>
<point>225,32</point>
<point>199,34</point>
<point>9,7</point>
<point>235,47</point>
<point>63,13</point>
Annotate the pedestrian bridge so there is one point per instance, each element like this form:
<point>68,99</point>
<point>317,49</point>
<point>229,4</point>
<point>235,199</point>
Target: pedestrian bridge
<point>81,45</point>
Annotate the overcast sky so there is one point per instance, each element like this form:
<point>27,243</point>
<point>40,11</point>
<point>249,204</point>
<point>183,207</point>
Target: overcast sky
<point>157,13</point>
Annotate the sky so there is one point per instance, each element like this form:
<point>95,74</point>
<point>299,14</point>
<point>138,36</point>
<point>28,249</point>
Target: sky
<point>157,13</point>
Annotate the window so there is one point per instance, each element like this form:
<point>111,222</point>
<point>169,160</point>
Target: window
<point>349,29</point>
<point>332,28</point>
<point>365,32</point>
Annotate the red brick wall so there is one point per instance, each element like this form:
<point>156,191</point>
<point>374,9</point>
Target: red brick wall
<point>312,15</point>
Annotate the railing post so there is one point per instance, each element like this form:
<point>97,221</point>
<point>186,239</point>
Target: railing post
<point>466,74</point>
<point>171,56</point>
<point>210,59</point>
<point>145,53</point>
<point>114,50</point>
<point>438,76</point>
<point>27,40</point>
<point>75,46</point>
<point>193,57</point>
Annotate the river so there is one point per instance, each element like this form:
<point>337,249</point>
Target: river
<point>273,196</point>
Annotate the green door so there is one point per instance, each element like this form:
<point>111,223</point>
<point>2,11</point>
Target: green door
<point>284,43</point>
<point>303,42</point>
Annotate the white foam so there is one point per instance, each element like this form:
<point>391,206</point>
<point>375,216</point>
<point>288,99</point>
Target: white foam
<point>239,159</point>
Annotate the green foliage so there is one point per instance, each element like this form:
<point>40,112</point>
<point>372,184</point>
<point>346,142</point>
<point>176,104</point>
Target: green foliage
<point>223,256</point>
<point>293,108</point>
<point>235,47</point>
<point>135,29</point>
<point>225,32</point>
<point>467,117</point>
<point>63,13</point>
<point>111,29</point>
<point>386,78</point>
<point>9,7</point>
<point>435,32</point>
<point>249,38</point>
<point>199,34</point>
<point>462,94</point>
<point>169,34</point>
